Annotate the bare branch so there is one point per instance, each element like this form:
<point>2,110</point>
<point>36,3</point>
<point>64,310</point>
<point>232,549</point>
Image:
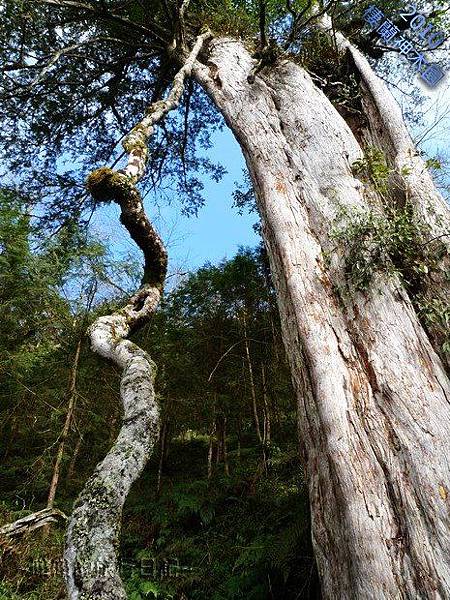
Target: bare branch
<point>290,10</point>
<point>295,24</point>
<point>31,522</point>
<point>136,143</point>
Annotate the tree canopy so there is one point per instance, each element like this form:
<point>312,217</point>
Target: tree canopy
<point>78,75</point>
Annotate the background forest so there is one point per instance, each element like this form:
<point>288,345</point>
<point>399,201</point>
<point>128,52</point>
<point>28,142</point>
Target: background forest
<point>221,510</point>
<point>217,507</point>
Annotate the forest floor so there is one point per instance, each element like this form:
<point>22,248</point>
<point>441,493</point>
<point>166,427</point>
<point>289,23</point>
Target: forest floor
<point>245,535</point>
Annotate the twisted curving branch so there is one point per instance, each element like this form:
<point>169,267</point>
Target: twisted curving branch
<point>90,558</point>
<point>91,566</point>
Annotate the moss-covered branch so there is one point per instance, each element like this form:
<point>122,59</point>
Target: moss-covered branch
<point>91,566</point>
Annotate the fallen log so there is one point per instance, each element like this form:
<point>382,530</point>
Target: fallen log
<point>32,522</point>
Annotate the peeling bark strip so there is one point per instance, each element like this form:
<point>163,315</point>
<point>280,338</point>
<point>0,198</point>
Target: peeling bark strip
<point>90,560</point>
<point>373,397</point>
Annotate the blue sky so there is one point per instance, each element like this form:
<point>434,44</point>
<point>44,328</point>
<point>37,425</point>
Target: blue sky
<point>217,231</point>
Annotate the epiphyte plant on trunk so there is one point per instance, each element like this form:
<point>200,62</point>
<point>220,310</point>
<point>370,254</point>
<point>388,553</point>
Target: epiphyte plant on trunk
<point>369,370</point>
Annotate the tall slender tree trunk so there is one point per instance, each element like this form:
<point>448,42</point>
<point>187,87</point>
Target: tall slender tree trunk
<point>12,435</point>
<point>219,440</point>
<point>162,454</point>
<point>74,458</point>
<point>226,466</point>
<point>239,437</point>
<point>66,428</point>
<point>373,396</point>
<point>252,383</point>
<point>210,451</point>
<point>266,406</point>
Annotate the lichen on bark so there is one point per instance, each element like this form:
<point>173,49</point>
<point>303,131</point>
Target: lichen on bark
<point>90,559</point>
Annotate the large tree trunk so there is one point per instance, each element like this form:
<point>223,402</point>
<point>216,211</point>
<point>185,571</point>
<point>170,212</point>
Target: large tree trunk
<point>381,124</point>
<point>373,395</point>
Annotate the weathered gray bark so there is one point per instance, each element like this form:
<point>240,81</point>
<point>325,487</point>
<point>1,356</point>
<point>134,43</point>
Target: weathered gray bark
<point>388,131</point>
<point>90,559</point>
<point>383,126</point>
<point>25,525</point>
<point>373,396</point>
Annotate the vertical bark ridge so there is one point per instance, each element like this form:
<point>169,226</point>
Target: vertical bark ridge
<point>411,181</point>
<point>376,419</point>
